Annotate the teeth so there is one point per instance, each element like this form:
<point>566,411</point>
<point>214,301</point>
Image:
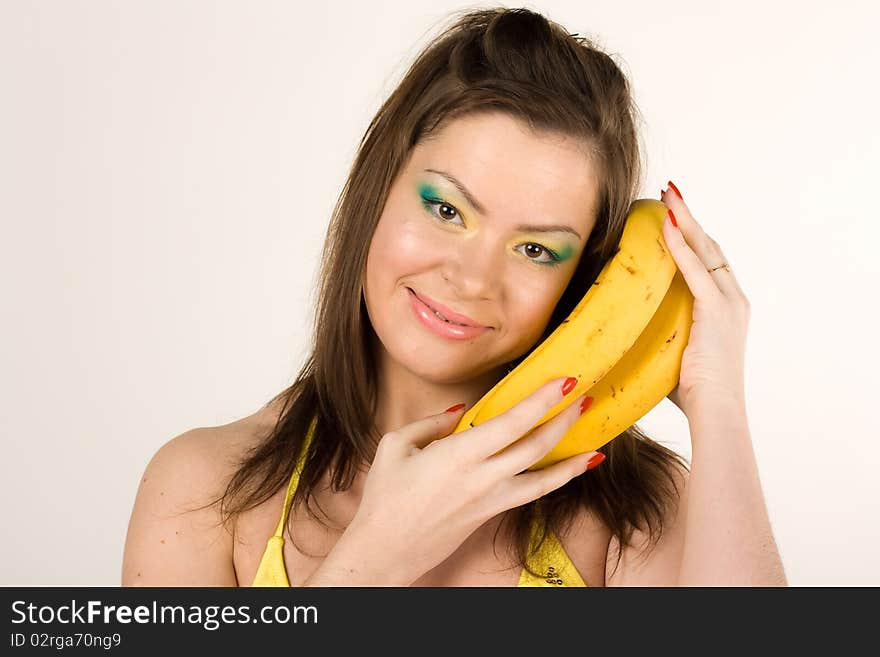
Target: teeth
<point>447,320</point>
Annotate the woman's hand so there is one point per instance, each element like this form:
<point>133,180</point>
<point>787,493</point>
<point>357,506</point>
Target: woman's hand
<point>427,490</point>
<point>713,363</point>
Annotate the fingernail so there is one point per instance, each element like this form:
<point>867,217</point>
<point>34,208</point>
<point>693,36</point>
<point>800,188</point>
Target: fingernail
<point>595,460</point>
<point>569,385</point>
<point>672,217</point>
<point>585,404</point>
<point>675,189</point>
<point>454,408</point>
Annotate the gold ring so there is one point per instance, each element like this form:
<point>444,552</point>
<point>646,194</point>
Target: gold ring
<point>723,266</point>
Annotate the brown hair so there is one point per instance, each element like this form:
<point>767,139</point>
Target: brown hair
<point>488,60</point>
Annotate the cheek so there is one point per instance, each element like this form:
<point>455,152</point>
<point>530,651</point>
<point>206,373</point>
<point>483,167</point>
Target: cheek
<point>398,250</point>
<point>400,247</point>
<point>529,309</point>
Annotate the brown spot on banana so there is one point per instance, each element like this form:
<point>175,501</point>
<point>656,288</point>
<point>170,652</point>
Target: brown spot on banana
<point>668,341</point>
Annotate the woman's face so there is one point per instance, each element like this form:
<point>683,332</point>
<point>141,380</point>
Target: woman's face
<point>482,252</point>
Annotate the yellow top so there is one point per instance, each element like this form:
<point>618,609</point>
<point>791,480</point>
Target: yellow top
<point>551,559</point>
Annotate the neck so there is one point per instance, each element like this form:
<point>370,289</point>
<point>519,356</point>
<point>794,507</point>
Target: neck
<point>403,397</point>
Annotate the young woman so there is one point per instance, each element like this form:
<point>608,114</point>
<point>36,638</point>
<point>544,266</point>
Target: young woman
<point>491,187</point>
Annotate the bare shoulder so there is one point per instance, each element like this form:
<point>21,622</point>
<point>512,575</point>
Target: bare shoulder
<point>660,565</point>
<point>175,535</point>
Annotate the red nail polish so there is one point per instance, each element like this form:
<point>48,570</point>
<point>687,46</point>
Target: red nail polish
<point>594,461</point>
<point>675,189</point>
<point>454,408</point>
<point>585,404</point>
<point>569,385</point>
<point>672,218</point>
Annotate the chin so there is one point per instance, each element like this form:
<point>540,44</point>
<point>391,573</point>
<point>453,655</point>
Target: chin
<point>446,371</point>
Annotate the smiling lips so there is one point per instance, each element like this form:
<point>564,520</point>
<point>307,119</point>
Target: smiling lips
<point>447,313</point>
<point>437,323</point>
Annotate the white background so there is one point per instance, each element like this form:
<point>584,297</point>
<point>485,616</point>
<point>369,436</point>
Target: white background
<point>167,172</point>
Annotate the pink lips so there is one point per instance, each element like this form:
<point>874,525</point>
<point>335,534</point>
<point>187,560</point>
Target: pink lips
<point>444,329</point>
<point>446,312</point>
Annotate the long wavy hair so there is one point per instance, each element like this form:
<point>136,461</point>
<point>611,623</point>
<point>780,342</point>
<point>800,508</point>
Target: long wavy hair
<point>487,60</point>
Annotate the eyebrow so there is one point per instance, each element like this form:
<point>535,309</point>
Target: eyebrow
<point>479,207</point>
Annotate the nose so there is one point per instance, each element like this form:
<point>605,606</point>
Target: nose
<point>474,268</point>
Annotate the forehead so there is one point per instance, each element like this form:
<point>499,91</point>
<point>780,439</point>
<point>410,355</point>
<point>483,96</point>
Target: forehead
<point>513,170</point>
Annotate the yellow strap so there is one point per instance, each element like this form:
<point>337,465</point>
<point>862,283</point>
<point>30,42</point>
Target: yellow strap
<point>294,479</point>
<point>271,571</point>
<point>551,561</point>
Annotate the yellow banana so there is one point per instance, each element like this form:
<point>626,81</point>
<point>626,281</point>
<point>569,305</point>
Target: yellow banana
<point>598,334</point>
<point>638,382</point>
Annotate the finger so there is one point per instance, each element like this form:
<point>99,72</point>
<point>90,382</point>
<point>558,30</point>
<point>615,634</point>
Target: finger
<point>491,436</point>
<point>689,263</point>
<point>421,433</point>
<point>532,447</point>
<point>529,486</point>
<point>706,248</point>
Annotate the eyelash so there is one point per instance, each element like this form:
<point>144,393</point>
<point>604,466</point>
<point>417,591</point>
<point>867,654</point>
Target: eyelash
<point>429,206</point>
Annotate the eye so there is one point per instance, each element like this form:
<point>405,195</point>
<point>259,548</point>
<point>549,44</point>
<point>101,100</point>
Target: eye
<point>553,258</point>
<point>429,205</point>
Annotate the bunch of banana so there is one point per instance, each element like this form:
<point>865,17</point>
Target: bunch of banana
<point>623,341</point>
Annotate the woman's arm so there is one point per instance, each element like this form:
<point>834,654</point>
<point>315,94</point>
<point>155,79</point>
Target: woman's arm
<point>719,534</point>
<point>729,541</point>
<point>167,544</point>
